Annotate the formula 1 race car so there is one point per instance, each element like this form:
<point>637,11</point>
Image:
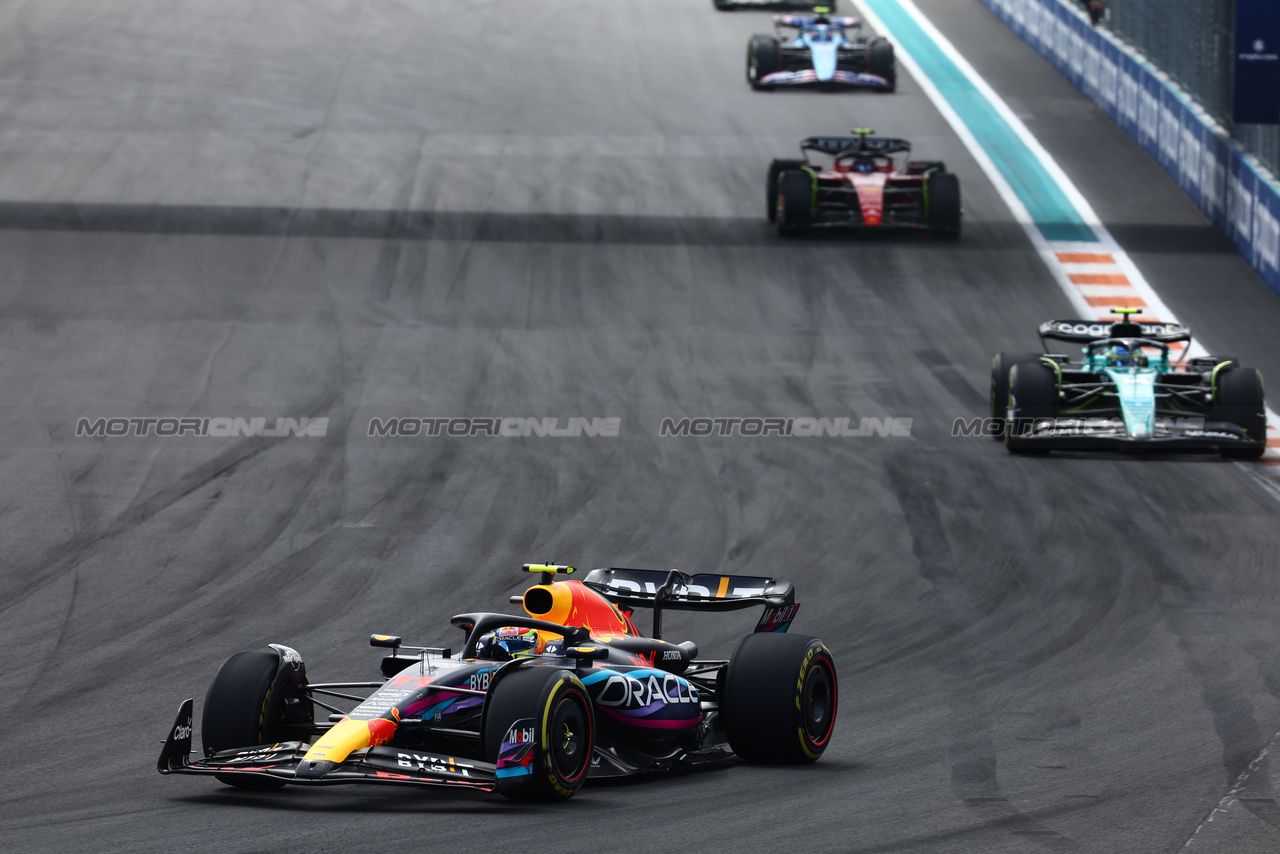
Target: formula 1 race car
<point>1126,393</point>
<point>821,53</point>
<point>862,188</point>
<point>533,704</point>
<point>729,5</point>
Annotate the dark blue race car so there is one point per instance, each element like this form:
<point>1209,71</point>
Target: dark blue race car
<point>533,704</point>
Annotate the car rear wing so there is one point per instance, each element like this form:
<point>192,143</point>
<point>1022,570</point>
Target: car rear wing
<point>671,589</point>
<point>1096,330</point>
<point>808,20</point>
<point>836,145</point>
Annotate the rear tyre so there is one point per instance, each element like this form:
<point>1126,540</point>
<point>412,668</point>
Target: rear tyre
<point>1000,367</point>
<point>776,168</point>
<point>943,194</point>
<point>764,57</point>
<point>1240,400</point>
<point>778,698</point>
<point>795,202</point>
<point>236,711</point>
<point>880,61</point>
<point>1033,394</point>
<point>544,716</point>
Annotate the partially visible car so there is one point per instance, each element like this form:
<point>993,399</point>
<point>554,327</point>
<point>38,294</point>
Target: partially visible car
<point>729,5</point>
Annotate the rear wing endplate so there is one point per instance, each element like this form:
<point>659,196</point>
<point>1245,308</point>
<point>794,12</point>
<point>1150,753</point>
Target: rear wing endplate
<point>671,589</point>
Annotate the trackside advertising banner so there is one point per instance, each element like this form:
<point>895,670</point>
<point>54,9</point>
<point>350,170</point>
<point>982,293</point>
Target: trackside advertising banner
<point>1235,192</point>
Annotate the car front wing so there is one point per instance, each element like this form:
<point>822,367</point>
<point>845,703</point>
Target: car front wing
<point>284,762</point>
<point>809,77</point>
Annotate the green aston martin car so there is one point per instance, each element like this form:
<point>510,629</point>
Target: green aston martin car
<point>1126,392</point>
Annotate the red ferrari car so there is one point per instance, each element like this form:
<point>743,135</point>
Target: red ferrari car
<point>862,186</point>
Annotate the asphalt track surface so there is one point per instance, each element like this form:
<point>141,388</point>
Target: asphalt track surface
<point>360,209</point>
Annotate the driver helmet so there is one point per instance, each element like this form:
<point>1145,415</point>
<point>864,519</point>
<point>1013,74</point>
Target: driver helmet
<point>510,642</point>
<point>865,165</point>
<point>1121,357</point>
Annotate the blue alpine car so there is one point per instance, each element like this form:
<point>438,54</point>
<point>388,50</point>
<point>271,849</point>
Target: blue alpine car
<point>824,51</point>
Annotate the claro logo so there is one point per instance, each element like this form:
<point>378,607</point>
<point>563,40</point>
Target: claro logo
<point>181,732</point>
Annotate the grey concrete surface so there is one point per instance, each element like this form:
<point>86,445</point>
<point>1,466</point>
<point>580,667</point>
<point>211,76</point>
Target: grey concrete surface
<point>371,208</point>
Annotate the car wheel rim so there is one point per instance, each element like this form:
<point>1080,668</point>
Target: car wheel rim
<point>819,705</point>
<point>570,736</point>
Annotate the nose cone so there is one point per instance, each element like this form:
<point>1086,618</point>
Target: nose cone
<point>314,769</point>
<point>824,59</point>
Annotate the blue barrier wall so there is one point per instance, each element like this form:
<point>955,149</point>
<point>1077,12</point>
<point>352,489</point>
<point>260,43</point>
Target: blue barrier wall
<point>1232,189</point>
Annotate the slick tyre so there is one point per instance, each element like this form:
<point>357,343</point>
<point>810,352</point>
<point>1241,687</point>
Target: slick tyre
<point>764,57</point>
<point>1033,394</point>
<point>880,60</point>
<point>943,194</point>
<point>1240,400</point>
<point>1000,367</point>
<point>236,712</point>
<point>776,168</point>
<point>544,718</point>
<point>795,202</point>
<point>778,698</point>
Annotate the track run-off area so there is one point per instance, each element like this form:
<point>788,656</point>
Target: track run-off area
<point>367,209</point>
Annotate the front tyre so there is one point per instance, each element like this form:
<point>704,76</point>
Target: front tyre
<point>1033,395</point>
<point>764,56</point>
<point>539,729</point>
<point>236,711</point>
<point>1000,367</point>
<point>880,61</point>
<point>778,698</point>
<point>1240,400</point>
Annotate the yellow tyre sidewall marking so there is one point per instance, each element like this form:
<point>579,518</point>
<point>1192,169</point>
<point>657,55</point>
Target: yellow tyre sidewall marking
<point>545,741</point>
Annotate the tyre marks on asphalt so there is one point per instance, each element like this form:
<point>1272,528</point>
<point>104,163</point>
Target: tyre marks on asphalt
<point>965,670</point>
